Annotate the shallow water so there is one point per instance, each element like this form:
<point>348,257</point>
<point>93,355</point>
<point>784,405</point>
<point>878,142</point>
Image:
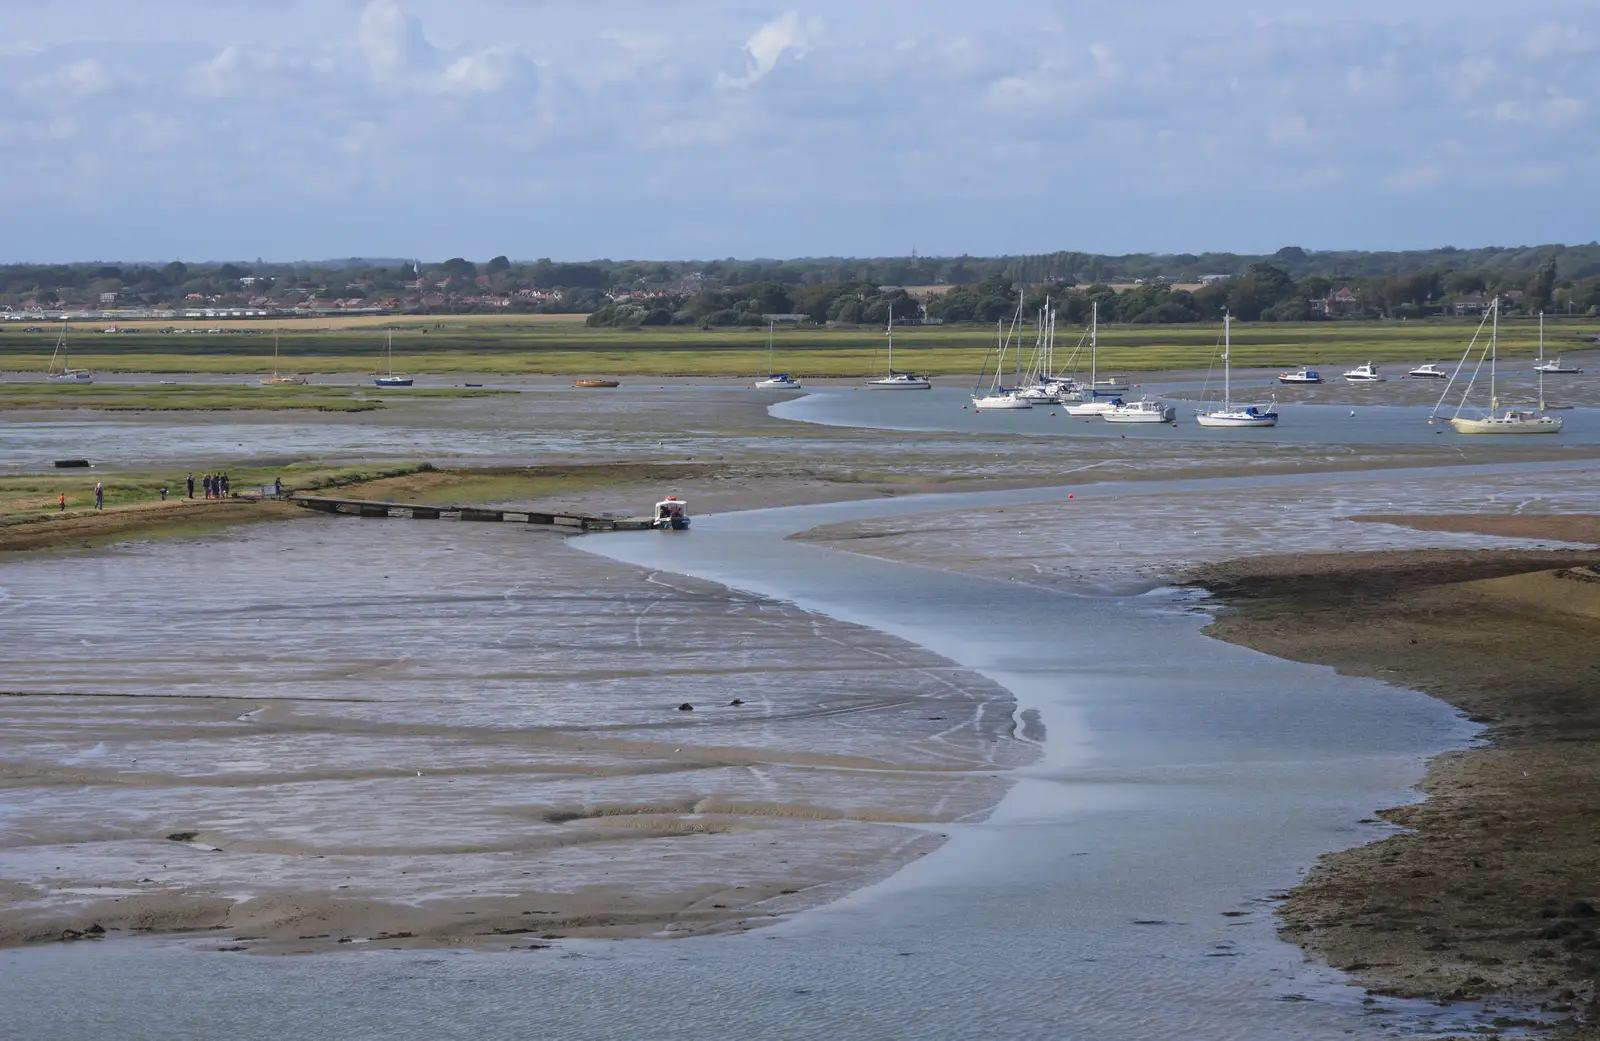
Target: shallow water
<point>1119,891</point>
<point>945,409</point>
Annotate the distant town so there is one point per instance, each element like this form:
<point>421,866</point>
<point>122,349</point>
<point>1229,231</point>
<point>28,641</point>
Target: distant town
<point>1292,284</point>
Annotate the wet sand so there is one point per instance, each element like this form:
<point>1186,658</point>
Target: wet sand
<point>1493,889</point>
<point>489,752</point>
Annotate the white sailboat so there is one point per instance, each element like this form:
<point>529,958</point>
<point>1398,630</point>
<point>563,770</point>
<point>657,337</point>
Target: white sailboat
<point>1089,406</point>
<point>1231,415</point>
<point>1510,421</point>
<point>897,380</point>
<point>1552,368</point>
<point>276,380</point>
<point>998,396</point>
<point>66,374</point>
<point>775,380</point>
<point>391,380</point>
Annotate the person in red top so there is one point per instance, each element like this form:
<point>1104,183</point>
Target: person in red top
<point>61,502</point>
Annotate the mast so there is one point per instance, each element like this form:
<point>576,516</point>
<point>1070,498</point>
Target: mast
<point>771,324</point>
<point>1094,346</point>
<point>1494,354</point>
<point>1227,361</point>
<point>891,337</point>
<point>1541,361</point>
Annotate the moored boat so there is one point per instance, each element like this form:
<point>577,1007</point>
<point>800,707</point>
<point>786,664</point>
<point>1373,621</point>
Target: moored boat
<point>1493,420</point>
<point>596,384</point>
<point>391,380</point>
<point>1428,371</point>
<point>1145,410</point>
<point>1300,376</point>
<point>1366,373</point>
<point>1229,414</point>
<point>897,380</point>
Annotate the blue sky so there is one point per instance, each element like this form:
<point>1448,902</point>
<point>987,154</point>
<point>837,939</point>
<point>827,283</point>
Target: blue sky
<point>292,129</point>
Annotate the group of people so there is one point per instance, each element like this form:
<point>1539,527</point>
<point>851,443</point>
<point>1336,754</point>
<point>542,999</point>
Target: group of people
<point>215,485</point>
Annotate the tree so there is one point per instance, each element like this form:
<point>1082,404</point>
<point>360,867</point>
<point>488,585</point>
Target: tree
<point>497,265</point>
<point>1541,288</point>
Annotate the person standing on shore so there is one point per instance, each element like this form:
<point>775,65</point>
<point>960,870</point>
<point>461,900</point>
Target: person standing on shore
<point>61,502</point>
<point>224,485</point>
<point>277,487</point>
<point>99,496</point>
<point>190,480</point>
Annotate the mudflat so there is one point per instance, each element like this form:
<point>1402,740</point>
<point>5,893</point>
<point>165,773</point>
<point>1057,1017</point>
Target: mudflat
<point>1494,888</point>
<point>520,741</point>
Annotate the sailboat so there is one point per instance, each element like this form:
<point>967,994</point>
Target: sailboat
<point>1553,368</point>
<point>775,380</point>
<point>897,380</point>
<point>1231,415</point>
<point>66,374</point>
<point>391,380</point>
<point>1042,387</point>
<point>276,380</point>
<point>1512,420</point>
<point>1090,406</point>
<point>998,396</point>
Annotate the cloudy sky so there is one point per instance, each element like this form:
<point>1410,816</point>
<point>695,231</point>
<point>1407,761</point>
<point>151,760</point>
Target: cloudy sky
<point>291,129</point>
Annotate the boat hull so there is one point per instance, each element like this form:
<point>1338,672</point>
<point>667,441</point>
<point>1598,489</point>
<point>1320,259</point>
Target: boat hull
<point>894,384</point>
<point>1298,379</point>
<point>1211,419</point>
<point>1000,402</point>
<point>597,384</point>
<point>1166,415</point>
<point>777,385</point>
<point>1089,408</point>
<point>392,381</point>
<point>1543,425</point>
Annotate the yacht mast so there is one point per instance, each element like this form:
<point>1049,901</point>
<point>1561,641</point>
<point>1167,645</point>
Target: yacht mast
<point>1227,361</point>
<point>1094,346</point>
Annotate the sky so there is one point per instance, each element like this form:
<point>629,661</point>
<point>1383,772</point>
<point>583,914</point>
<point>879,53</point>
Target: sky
<point>573,129</point>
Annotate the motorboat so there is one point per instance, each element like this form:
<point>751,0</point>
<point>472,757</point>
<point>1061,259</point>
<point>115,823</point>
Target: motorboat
<point>1428,371</point>
<point>1145,410</point>
<point>671,514</point>
<point>1367,373</point>
<point>1229,414</point>
<point>1492,420</point>
<point>1300,376</point>
<point>1545,367</point>
<point>897,380</point>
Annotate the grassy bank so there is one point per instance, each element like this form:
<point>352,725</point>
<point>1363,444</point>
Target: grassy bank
<point>34,498</point>
<point>224,398</point>
<point>562,348</point>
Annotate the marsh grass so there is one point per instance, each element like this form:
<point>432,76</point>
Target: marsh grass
<point>220,398</point>
<point>564,348</point>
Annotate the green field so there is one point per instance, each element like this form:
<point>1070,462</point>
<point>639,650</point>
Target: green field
<point>222,398</point>
<point>559,349</point>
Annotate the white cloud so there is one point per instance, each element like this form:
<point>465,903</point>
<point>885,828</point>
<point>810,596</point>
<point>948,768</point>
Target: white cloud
<point>1553,40</point>
<point>84,78</point>
<point>393,41</point>
<point>485,72</point>
<point>788,32</point>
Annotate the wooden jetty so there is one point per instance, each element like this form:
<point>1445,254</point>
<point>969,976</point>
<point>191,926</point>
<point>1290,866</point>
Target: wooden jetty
<point>471,514</point>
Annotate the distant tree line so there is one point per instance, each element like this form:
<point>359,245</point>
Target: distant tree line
<point>1290,285</point>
